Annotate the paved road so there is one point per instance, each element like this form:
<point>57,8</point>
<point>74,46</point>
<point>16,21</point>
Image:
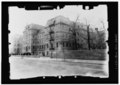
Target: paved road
<point>34,67</point>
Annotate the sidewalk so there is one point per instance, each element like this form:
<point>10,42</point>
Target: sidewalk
<point>69,60</point>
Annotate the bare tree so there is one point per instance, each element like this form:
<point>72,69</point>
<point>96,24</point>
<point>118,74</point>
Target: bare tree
<point>74,32</point>
<point>88,34</point>
<point>101,36</point>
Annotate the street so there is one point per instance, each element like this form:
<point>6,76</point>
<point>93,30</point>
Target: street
<point>26,67</point>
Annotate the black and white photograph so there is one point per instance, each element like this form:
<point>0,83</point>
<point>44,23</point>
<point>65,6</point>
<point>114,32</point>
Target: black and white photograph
<point>61,42</point>
<point>71,41</point>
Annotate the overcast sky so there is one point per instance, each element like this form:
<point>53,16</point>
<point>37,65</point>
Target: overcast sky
<point>19,17</point>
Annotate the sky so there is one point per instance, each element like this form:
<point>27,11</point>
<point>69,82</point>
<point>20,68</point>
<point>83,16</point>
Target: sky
<point>19,17</point>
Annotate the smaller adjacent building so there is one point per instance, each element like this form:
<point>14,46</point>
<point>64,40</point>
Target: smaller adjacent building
<point>33,39</point>
<point>18,45</point>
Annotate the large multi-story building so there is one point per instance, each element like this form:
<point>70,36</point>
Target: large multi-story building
<point>57,35</point>
<point>61,38</point>
<point>63,33</point>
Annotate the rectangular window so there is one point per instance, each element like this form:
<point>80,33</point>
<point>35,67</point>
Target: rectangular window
<point>42,47</point>
<point>70,44</point>
<point>47,45</point>
<point>33,47</point>
<point>26,48</point>
<point>57,44</point>
<point>67,44</point>
<point>78,45</point>
<point>63,44</point>
<point>73,44</point>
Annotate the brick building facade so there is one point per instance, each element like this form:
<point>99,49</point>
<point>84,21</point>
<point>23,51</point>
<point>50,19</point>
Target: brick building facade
<point>55,36</point>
